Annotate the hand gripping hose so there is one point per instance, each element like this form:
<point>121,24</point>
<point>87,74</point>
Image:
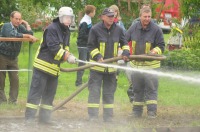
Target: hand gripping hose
<point>114,59</point>
<point>83,86</point>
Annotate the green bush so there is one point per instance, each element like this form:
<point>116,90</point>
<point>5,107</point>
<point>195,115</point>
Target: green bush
<point>183,59</point>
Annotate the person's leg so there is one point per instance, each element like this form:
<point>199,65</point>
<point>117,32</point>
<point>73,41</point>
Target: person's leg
<point>130,92</point>
<point>14,80</point>
<point>151,87</point>
<point>109,88</point>
<point>37,87</point>
<point>94,87</point>
<point>138,89</point>
<point>47,99</point>
<point>83,52</point>
<point>3,66</point>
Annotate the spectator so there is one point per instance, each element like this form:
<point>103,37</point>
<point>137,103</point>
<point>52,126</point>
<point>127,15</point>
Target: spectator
<point>84,29</point>
<point>9,51</point>
<point>118,19</point>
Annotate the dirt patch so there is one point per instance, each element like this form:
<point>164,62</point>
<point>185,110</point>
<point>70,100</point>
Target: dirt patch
<point>73,117</point>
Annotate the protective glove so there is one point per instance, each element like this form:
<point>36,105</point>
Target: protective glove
<point>125,55</point>
<point>71,59</point>
<point>120,62</point>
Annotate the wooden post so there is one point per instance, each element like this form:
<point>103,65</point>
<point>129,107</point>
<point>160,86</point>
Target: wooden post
<point>129,5</point>
<point>30,64</point>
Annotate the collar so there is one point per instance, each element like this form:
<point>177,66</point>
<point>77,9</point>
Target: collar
<point>103,26</point>
<point>140,26</point>
<point>13,26</point>
<point>86,19</point>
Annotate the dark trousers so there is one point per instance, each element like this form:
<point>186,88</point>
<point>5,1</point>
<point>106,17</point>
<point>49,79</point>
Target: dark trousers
<point>83,55</point>
<point>108,89</point>
<point>42,91</point>
<point>145,88</point>
<point>7,63</point>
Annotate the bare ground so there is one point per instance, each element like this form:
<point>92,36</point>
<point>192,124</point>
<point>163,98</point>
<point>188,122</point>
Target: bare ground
<point>73,117</point>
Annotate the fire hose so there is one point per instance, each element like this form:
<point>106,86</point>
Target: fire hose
<point>83,86</point>
<point>114,59</point>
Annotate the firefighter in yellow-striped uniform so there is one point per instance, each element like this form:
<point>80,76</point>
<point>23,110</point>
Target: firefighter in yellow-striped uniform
<point>52,51</point>
<point>146,37</point>
<point>104,38</point>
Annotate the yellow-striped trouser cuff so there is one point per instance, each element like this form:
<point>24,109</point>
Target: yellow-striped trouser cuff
<point>108,106</point>
<point>93,105</point>
<point>48,107</point>
<point>32,106</point>
<point>151,102</point>
<point>139,103</point>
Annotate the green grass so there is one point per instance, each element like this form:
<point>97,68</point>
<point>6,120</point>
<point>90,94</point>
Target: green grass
<point>171,92</point>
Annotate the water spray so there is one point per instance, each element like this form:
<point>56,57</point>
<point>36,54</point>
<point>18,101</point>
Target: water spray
<point>154,72</point>
<point>132,57</point>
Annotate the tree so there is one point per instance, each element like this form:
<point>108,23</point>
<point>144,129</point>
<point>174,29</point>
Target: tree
<point>190,8</point>
<point>6,7</point>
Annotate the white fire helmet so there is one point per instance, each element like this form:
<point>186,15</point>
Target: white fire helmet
<point>65,13</point>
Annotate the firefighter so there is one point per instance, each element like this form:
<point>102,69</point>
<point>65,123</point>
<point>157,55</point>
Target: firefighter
<point>146,37</point>
<point>53,50</point>
<point>104,38</point>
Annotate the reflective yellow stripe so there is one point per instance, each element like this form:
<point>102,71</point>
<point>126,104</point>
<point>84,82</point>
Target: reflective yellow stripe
<point>148,47</point>
<point>41,42</point>
<point>93,105</point>
<point>125,47</point>
<point>48,107</point>
<point>115,49</point>
<point>108,106</point>
<point>47,67</point>
<point>59,54</point>
<point>179,30</point>
<point>67,48</point>
<point>151,102</point>
<point>158,50</point>
<point>138,103</point>
<point>33,106</point>
<point>94,52</point>
<point>145,64</point>
<point>102,48</point>
<point>102,69</point>
<point>133,47</point>
<point>1,24</point>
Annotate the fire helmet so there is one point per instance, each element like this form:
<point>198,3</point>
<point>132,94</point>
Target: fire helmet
<point>65,11</point>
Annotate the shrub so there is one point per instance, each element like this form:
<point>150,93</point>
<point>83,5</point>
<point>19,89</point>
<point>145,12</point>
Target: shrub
<point>182,59</point>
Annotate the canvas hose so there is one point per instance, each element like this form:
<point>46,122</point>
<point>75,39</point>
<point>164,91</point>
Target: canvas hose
<point>114,59</point>
<point>83,86</point>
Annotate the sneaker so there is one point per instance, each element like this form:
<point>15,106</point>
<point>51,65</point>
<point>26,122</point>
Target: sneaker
<point>151,114</point>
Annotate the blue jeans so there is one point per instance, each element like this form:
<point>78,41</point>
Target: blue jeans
<point>83,55</point>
